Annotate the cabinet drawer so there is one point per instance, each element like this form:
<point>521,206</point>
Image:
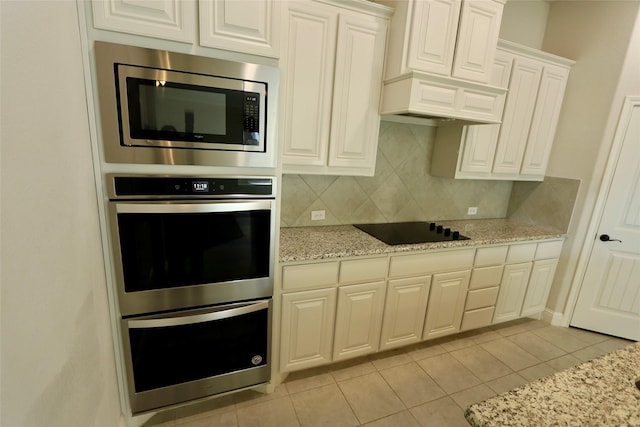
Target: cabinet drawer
<point>427,263</point>
<point>304,276</point>
<point>521,252</point>
<point>549,249</point>
<point>481,298</point>
<point>477,318</point>
<point>486,276</point>
<point>491,256</point>
<point>361,270</point>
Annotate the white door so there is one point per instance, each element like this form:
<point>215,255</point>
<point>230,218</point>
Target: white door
<point>609,300</point>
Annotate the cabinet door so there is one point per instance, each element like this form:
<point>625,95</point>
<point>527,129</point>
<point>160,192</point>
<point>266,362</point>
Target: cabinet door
<point>518,113</point>
<point>539,286</point>
<point>404,311</point>
<point>356,92</point>
<point>307,81</point>
<point>433,35</point>
<point>479,141</point>
<point>545,120</point>
<point>242,26</point>
<point>446,303</point>
<point>512,292</point>
<point>169,19</point>
<point>358,320</point>
<point>477,39</point>
<point>307,328</point>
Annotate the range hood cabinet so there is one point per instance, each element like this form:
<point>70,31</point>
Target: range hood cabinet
<point>442,99</point>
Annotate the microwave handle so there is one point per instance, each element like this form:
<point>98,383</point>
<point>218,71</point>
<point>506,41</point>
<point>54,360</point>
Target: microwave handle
<point>217,314</point>
<point>193,207</point>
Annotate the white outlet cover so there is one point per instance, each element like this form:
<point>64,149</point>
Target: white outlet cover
<point>472,211</point>
<point>317,215</point>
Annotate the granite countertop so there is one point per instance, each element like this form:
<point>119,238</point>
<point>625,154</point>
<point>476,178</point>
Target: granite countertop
<point>326,242</point>
<point>601,392</point>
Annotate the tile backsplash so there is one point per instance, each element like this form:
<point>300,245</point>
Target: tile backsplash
<point>400,190</point>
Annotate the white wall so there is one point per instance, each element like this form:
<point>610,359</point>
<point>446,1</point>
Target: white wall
<point>598,36</point>
<point>57,357</point>
<point>524,22</point>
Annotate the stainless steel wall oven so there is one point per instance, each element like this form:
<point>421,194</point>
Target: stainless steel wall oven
<point>194,261</point>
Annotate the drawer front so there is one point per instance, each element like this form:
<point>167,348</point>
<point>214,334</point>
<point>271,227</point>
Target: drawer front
<point>549,249</point>
<point>304,276</point>
<point>486,276</point>
<point>491,256</point>
<point>477,318</point>
<point>481,298</point>
<point>522,252</point>
<point>420,264</point>
<point>363,270</point>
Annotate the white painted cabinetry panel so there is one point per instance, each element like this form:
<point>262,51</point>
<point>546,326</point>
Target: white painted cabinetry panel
<point>248,26</point>
<point>512,291</point>
<point>539,286</point>
<point>446,303</point>
<point>404,311</point>
<point>358,320</point>
<point>307,328</point>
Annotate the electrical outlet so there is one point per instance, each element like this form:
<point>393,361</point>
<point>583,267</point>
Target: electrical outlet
<point>317,215</point>
<point>472,210</point>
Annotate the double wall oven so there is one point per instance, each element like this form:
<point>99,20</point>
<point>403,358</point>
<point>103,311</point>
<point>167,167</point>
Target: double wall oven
<point>193,261</point>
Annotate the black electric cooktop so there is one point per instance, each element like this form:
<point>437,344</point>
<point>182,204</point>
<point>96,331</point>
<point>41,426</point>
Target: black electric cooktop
<point>403,233</point>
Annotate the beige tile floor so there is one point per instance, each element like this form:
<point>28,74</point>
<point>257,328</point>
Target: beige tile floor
<point>428,384</point>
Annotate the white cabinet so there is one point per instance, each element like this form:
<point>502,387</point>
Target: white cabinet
<point>404,311</point>
<point>539,286</point>
<point>445,37</point>
<point>512,291</point>
<point>169,19</point>
<point>358,320</point>
<point>519,148</point>
<point>446,304</point>
<point>332,66</point>
<point>307,328</point>
<point>248,26</point>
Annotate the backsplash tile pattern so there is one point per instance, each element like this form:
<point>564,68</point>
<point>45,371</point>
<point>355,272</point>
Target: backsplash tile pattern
<point>400,190</point>
<point>547,203</point>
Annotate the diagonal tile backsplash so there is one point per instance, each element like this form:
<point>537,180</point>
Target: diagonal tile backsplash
<point>400,190</point>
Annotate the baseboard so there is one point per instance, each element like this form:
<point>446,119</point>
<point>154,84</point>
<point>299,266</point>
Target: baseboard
<point>553,317</point>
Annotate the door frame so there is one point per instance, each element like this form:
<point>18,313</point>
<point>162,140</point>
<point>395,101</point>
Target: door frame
<point>629,103</point>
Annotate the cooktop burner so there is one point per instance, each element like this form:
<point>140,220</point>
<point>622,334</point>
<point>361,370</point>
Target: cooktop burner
<point>403,233</point>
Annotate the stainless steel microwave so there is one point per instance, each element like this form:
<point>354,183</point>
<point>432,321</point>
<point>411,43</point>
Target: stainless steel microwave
<point>159,107</point>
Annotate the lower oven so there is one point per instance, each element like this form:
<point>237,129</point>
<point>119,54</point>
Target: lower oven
<point>179,356</point>
<point>193,262</point>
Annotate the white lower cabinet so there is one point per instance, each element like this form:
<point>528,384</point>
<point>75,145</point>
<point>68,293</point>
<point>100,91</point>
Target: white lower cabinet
<point>339,309</point>
<point>404,311</point>
<point>446,304</point>
<point>307,328</point>
<point>539,286</point>
<point>358,320</point>
<point>512,291</point>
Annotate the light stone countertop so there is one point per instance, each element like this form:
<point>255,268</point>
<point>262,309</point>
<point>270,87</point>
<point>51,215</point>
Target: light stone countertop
<point>326,242</point>
<point>601,392</point>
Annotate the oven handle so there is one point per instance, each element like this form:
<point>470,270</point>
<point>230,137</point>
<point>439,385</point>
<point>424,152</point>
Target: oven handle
<point>217,314</point>
<point>222,206</point>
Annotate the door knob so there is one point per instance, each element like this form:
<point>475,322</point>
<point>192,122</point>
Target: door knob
<point>606,238</point>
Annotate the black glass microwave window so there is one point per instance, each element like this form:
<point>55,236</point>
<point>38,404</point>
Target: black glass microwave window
<point>172,111</point>
<point>161,251</point>
<point>166,356</point>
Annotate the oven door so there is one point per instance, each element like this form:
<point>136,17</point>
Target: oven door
<point>174,255</point>
<point>180,356</point>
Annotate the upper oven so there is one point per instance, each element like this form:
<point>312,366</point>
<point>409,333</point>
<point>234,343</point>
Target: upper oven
<point>167,108</point>
<point>185,242</point>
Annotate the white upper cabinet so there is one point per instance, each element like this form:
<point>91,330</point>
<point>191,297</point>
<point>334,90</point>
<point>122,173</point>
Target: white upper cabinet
<point>169,19</point>
<point>242,26</point>
<point>428,34</point>
<point>519,148</point>
<point>332,65</point>
<point>247,26</point>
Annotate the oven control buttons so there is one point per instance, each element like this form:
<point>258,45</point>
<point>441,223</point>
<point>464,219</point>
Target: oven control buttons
<point>256,360</point>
